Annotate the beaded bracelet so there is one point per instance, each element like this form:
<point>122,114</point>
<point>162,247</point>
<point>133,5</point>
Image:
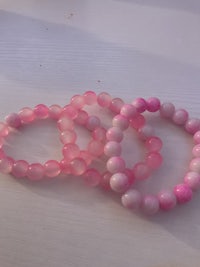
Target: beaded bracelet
<point>182,193</point>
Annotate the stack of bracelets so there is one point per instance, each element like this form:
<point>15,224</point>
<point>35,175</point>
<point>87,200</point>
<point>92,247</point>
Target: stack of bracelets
<point>105,144</point>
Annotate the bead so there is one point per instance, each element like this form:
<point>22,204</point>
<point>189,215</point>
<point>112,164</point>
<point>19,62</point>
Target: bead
<point>150,204</point>
<point>52,168</point>
<point>4,131</point>
<point>70,151</point>
<point>131,177</point>
<point>20,168</point>
<point>196,137</point>
<point>195,165</point>
<point>6,165</point>
<point>35,172</point>
<point>70,112</point>
<point>153,144</point>
<point>92,177</point>
<point>145,132</point>
<point>104,99</point>
<point>192,179</point>
<point>26,115</point>
<point>140,104</point>
<point>167,110</point>
<point>95,148</point>
<point>153,104</point>
<point>65,166</point>
<point>77,101</point>
<point>115,164</point>
<point>112,148</point>
<point>55,111</point>
<point>78,166</point>
<point>99,134</point>
<point>141,171</point>
<point>41,111</point>
<point>116,105</point>
<point>183,193</point>
<point>68,136</point>
<point>196,151</point>
<point>65,123</point>
<point>105,180</point>
<point>180,116</point>
<point>132,199</point>
<point>114,134</point>
<point>120,122</point>
<point>192,125</point>
<point>92,123</point>
<point>167,200</point>
<point>82,117</point>
<point>137,122</point>
<point>90,97</point>
<point>119,182</point>
<point>13,120</point>
<point>154,160</point>
<point>128,111</point>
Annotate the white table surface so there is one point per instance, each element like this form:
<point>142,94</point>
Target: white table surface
<point>50,50</point>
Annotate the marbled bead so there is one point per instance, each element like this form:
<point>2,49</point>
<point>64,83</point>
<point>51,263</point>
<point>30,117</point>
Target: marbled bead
<point>153,104</point>
<point>195,165</point>
<point>150,205</point>
<point>167,110</point>
<point>192,125</point>
<point>132,199</point>
<point>35,172</point>
<point>13,120</point>
<point>41,111</point>
<point>116,105</point>
<point>90,97</point>
<point>167,200</point>
<point>20,168</point>
<point>119,182</point>
<point>140,104</point>
<point>104,99</point>
<point>183,193</point>
<point>192,179</point>
<point>180,116</point>
<point>52,168</point>
<point>26,115</point>
<point>92,177</point>
<point>115,164</point>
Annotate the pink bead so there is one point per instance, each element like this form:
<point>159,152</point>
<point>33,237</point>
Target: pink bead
<point>6,165</point>
<point>92,123</point>
<point>119,182</point>
<point>137,122</point>
<point>105,180</point>
<point>26,115</point>
<point>115,164</point>
<point>141,171</point>
<point>90,97</point>
<point>132,199</point>
<point>114,134</point>
<point>4,130</point>
<point>128,111</point>
<point>20,168</point>
<point>195,165</point>
<point>180,116</point>
<point>104,99</point>
<point>78,166</point>
<point>167,110</point>
<point>167,200</point>
<point>183,193</point>
<point>153,144</point>
<point>55,111</point>
<point>112,148</point>
<point>145,132</point>
<point>52,168</point>
<point>65,123</point>
<point>131,177</point>
<point>35,172</point>
<point>92,177</point>
<point>41,111</point>
<point>77,101</point>
<point>85,156</point>
<point>120,122</point>
<point>13,120</point>
<point>140,104</point>
<point>153,104</point>
<point>192,125</point>
<point>99,134</point>
<point>116,105</point>
<point>95,148</point>
<point>150,204</point>
<point>65,166</point>
<point>154,160</point>
<point>192,179</point>
<point>70,151</point>
<point>82,117</point>
<point>196,151</point>
<point>68,136</point>
<point>197,137</point>
<point>70,112</point>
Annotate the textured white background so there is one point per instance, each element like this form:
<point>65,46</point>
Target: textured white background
<point>50,50</point>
